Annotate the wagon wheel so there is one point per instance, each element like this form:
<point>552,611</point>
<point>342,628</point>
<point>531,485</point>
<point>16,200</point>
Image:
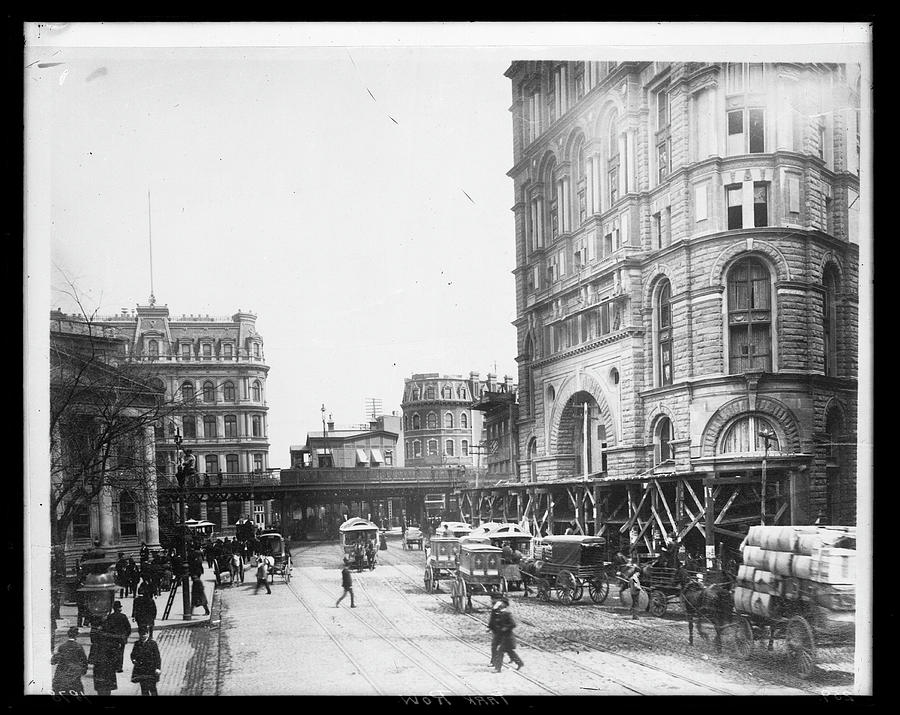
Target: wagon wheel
<point>579,589</point>
<point>465,596</point>
<point>802,645</point>
<point>658,602</point>
<point>454,596</point>
<point>504,587</point>
<point>565,587</point>
<point>743,637</point>
<point>429,579</point>
<point>543,590</point>
<point>598,589</point>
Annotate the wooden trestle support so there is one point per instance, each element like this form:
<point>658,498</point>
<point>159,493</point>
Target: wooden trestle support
<point>704,511</point>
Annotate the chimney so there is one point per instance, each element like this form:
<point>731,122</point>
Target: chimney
<point>330,426</point>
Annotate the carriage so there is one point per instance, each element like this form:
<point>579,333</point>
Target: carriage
<point>441,562</point>
<point>478,573</point>
<point>413,537</point>
<point>355,534</point>
<point>567,564</point>
<point>273,546</point>
<point>514,542</point>
<point>228,566</point>
<point>664,585</point>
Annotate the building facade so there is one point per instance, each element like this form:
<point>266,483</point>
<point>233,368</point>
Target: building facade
<point>102,412</point>
<point>500,447</point>
<point>439,425</point>
<point>216,368</point>
<point>686,291</point>
<point>370,445</point>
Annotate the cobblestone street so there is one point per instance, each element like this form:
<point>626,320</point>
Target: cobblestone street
<point>401,640</point>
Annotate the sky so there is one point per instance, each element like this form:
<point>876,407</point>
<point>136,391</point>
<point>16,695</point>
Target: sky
<point>348,184</point>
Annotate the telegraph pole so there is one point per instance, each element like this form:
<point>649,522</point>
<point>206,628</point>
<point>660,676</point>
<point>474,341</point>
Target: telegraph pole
<point>182,499</point>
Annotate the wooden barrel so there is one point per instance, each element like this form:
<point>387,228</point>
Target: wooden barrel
<point>834,566</point>
<point>785,539</point>
<point>781,563</point>
<point>745,574</point>
<point>754,536</point>
<point>755,556</point>
<point>742,597</point>
<point>764,605</point>
<point>801,566</point>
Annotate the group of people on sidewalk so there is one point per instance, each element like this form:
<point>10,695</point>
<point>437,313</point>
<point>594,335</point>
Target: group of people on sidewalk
<point>109,637</point>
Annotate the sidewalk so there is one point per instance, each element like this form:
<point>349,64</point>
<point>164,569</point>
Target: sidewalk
<point>177,638</point>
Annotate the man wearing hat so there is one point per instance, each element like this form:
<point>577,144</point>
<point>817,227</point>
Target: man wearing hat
<point>147,662</point>
<point>71,663</point>
<point>502,624</point>
<point>118,628</point>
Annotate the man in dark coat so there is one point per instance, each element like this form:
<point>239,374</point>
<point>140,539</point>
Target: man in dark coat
<point>71,663</point>
<point>147,662</point>
<point>122,574</point>
<point>347,583</point>
<point>502,624</point>
<point>106,658</point>
<point>198,594</point>
<point>144,611</point>
<point>118,628</point>
<point>132,578</point>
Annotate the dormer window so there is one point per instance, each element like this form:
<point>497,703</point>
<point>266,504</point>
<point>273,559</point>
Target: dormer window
<point>206,350</point>
<point>227,350</point>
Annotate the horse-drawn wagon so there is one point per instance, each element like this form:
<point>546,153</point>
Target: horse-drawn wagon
<point>797,584</point>
<point>413,536</point>
<point>478,573</point>
<point>441,562</point>
<point>566,564</point>
<point>273,547</point>
<point>228,568</point>
<point>359,537</point>
<point>515,544</point>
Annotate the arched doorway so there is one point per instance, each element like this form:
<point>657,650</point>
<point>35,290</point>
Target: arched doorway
<point>582,434</point>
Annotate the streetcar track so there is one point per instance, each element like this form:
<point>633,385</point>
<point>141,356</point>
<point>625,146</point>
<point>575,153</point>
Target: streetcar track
<point>591,647</point>
<point>394,644</point>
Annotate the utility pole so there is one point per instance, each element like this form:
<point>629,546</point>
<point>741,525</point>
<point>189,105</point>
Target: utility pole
<point>766,435</point>
<point>182,498</point>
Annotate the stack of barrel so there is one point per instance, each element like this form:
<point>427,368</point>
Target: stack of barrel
<point>797,563</point>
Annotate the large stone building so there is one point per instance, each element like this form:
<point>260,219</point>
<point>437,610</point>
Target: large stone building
<point>439,425</point>
<point>216,367</point>
<point>686,291</point>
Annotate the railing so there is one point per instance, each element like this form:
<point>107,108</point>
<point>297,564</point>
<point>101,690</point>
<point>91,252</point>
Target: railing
<point>223,479</point>
<point>342,475</point>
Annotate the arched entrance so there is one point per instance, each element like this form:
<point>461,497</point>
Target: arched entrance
<point>582,434</point>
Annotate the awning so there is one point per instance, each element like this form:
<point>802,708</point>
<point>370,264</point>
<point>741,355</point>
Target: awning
<point>376,456</point>
<point>361,457</point>
<point>321,450</point>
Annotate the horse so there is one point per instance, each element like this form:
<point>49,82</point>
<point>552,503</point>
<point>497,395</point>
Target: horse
<point>233,564</point>
<point>712,601</point>
<point>530,569</point>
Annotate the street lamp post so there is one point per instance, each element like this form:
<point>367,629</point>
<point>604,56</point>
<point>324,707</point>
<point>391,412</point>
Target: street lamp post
<point>767,436</point>
<point>182,505</point>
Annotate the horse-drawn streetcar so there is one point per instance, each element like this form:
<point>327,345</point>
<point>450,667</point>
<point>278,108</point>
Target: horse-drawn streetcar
<point>478,573</point>
<point>567,564</point>
<point>359,542</point>
<point>514,542</point>
<point>441,562</point>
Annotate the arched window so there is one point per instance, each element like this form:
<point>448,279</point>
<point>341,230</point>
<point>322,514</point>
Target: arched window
<point>745,436</point>
<point>189,427</point>
<point>612,159</point>
<point>431,421</point>
<point>551,394</point>
<point>432,447</point>
<point>228,391</point>
<point>448,420</point>
<point>256,426</point>
<point>834,428</point>
<point>187,391</point>
<point>256,391</point>
<point>153,349</point>
<point>429,393</point>
<point>231,426</point>
<point>209,392</point>
<point>662,440</point>
<point>408,449</point>
<point>749,317</point>
<point>255,349</point>
<point>664,333</point>
<point>581,183</point>
<point>212,463</point>
<point>461,393</point>
<point>464,420</point>
<point>448,448</point>
<point>209,426</point>
<point>417,422</point>
<point>417,448</point>
<point>829,319</point>
<point>406,422</point>
<point>464,448</point>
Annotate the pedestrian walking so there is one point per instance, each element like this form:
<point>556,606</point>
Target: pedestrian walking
<point>502,624</point>
<point>198,595</point>
<point>122,574</point>
<point>132,578</point>
<point>71,663</point>
<point>347,583</point>
<point>119,629</point>
<point>144,611</point>
<point>634,584</point>
<point>147,662</point>
<point>262,576</point>
<point>106,657</point>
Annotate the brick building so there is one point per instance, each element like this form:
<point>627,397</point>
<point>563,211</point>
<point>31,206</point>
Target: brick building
<point>686,291</point>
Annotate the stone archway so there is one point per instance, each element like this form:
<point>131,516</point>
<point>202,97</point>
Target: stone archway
<point>581,383</point>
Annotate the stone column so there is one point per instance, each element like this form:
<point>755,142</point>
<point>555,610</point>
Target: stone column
<point>151,505</point>
<point>224,514</point>
<point>107,538</point>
